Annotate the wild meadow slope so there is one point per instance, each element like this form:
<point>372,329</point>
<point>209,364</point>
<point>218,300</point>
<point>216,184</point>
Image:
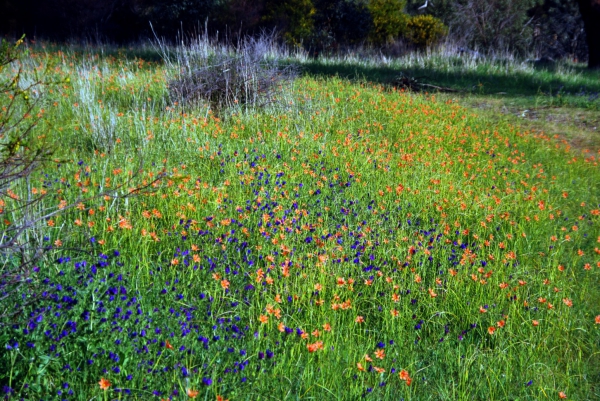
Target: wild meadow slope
<point>350,240</point>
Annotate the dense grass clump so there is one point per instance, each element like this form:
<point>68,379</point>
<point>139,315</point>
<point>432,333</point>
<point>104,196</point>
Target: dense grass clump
<point>360,242</point>
<point>249,74</point>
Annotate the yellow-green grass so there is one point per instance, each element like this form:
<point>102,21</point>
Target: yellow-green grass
<point>314,250</point>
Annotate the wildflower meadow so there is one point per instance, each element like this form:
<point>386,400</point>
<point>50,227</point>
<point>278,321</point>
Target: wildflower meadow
<point>351,240</point>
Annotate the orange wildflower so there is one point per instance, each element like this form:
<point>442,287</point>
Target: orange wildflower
<point>567,302</point>
<point>535,322</point>
<point>359,319</point>
<point>192,393</point>
<point>562,395</point>
<point>360,367</point>
<point>168,345</point>
<point>263,319</point>
<point>225,284</point>
<point>315,346</point>
<point>598,319</point>
<point>327,327</point>
<point>491,330</point>
<point>404,376</point>
<point>380,353</point>
<point>104,384</point>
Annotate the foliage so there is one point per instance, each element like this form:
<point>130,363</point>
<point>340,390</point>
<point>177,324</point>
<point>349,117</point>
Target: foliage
<point>22,152</point>
<point>495,25</point>
<point>292,18</point>
<point>239,17</point>
<point>340,23</point>
<point>425,30</point>
<point>389,20</point>
<point>170,16</point>
<point>92,20</point>
<point>558,30</point>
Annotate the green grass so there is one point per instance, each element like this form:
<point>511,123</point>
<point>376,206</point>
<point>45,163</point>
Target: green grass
<point>561,99</point>
<point>281,246</point>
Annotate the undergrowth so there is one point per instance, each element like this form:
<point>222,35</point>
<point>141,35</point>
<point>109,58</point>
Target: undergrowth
<point>361,241</point>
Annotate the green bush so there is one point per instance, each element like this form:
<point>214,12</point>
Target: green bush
<point>425,30</point>
<point>292,18</point>
<point>389,20</point>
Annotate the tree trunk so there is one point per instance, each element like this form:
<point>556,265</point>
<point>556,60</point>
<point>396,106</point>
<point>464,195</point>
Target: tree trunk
<point>590,13</point>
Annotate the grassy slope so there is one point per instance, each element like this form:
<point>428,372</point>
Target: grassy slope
<point>402,194</point>
<point>562,99</point>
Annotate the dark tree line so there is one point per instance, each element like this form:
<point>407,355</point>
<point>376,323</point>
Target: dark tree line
<point>558,28</point>
<point>129,20</point>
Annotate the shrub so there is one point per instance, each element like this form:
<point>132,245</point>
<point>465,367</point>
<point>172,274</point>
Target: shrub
<point>21,153</point>
<point>493,25</point>
<point>247,74</point>
<point>341,23</point>
<point>293,18</point>
<point>425,30</point>
<point>389,20</point>
<point>558,30</point>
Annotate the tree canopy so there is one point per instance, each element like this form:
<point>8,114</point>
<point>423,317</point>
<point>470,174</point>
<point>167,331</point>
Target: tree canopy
<point>556,28</point>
